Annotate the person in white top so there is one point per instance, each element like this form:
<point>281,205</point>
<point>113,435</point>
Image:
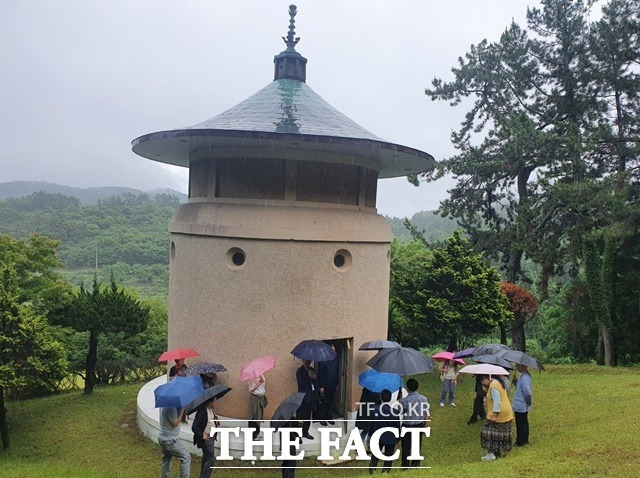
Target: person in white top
<point>257,402</point>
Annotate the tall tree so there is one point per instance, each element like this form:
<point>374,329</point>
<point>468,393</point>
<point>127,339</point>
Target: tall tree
<point>455,295</point>
<point>31,358</point>
<point>100,310</point>
<point>523,305</point>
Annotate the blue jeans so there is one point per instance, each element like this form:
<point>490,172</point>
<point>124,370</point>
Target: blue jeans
<point>172,447</point>
<point>208,459</point>
<point>447,387</point>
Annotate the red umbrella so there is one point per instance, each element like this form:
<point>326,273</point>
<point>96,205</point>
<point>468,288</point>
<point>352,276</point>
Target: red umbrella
<point>257,367</point>
<point>175,354</point>
<point>444,356</point>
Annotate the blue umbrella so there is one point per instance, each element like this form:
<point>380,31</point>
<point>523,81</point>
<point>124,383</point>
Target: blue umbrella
<point>178,392</point>
<point>314,351</point>
<point>378,381</point>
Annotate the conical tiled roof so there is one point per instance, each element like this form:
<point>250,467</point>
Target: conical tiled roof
<point>287,119</point>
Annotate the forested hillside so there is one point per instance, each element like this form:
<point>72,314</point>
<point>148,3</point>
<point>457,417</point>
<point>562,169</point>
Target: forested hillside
<point>17,189</point>
<point>128,234</point>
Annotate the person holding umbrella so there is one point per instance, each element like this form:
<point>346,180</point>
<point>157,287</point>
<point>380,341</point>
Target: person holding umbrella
<point>257,402</point>
<point>449,377</point>
<point>383,416</point>
<point>306,386</point>
<point>253,372</point>
<point>495,436</point>
<point>328,377</point>
<point>201,428</point>
<point>170,419</point>
<point>415,412</point>
<point>522,405</point>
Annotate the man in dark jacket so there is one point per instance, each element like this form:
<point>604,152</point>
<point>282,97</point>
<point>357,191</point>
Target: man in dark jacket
<point>383,416</point>
<point>306,386</point>
<point>201,428</point>
<point>328,382</point>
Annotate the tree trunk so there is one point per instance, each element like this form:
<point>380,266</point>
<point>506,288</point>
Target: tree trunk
<point>607,343</point>
<point>453,343</point>
<point>600,349</point>
<point>518,338</point>
<point>503,335</point>
<point>92,358</point>
<point>4,426</point>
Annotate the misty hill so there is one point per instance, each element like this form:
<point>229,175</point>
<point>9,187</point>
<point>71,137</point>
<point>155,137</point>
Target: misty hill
<point>18,189</point>
<point>435,227</point>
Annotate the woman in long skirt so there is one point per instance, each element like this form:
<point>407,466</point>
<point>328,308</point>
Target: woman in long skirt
<point>495,436</point>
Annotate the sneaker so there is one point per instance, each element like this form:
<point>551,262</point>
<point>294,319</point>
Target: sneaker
<point>331,422</point>
<point>260,437</point>
<point>452,404</point>
<point>441,404</point>
<point>323,423</point>
<point>488,457</point>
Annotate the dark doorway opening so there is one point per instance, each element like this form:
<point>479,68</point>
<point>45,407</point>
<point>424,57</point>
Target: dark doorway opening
<point>343,360</point>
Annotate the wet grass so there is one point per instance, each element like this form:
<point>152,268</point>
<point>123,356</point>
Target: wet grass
<point>584,423</point>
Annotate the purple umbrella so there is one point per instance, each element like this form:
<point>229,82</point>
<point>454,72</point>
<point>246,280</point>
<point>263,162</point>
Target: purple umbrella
<point>464,353</point>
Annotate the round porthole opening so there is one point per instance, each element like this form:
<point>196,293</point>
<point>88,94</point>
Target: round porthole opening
<point>342,260</point>
<point>236,258</point>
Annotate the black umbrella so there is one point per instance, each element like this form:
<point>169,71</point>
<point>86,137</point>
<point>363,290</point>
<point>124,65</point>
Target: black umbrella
<point>401,360</point>
<point>314,351</point>
<point>521,358</point>
<point>286,409</point>
<point>494,360</point>
<point>379,345</point>
<point>216,391</point>
<point>489,349</point>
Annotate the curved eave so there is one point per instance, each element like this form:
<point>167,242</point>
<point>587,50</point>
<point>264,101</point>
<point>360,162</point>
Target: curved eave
<point>176,147</point>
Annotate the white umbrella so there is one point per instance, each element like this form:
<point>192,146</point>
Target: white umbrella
<point>484,369</point>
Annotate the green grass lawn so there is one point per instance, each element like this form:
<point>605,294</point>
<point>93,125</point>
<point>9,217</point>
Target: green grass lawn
<point>584,423</point>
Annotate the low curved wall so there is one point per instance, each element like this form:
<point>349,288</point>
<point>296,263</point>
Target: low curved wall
<point>149,423</point>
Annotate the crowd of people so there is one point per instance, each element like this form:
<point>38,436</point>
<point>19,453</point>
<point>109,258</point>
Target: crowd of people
<point>491,405</point>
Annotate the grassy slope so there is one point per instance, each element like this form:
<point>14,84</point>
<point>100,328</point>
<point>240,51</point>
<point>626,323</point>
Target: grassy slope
<point>584,424</point>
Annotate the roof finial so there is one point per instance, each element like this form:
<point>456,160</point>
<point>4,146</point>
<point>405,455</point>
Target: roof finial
<point>291,40</point>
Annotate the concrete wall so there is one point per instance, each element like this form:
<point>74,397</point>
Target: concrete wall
<point>287,290</point>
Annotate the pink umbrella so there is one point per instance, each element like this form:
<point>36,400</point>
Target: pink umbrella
<point>444,356</point>
<point>176,354</point>
<point>257,367</point>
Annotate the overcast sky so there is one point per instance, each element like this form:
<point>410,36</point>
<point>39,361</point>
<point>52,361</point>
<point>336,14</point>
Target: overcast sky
<point>82,78</point>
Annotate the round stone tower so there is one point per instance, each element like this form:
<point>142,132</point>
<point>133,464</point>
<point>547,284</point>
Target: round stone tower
<point>280,240</point>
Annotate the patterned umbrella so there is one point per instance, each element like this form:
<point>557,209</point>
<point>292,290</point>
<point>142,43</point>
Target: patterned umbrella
<point>205,368</point>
